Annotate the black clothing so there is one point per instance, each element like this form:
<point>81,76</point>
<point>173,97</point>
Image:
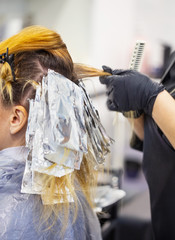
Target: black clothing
<point>159,170</point>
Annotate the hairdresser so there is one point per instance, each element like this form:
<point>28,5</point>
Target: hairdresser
<point>154,128</point>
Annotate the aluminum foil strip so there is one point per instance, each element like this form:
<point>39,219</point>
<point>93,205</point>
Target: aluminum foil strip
<point>99,142</point>
<point>65,101</point>
<point>56,134</point>
<point>61,119</point>
<point>33,183</point>
<point>55,124</point>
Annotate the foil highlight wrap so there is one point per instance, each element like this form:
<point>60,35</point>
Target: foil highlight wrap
<point>63,126</point>
<point>56,135</point>
<point>98,141</point>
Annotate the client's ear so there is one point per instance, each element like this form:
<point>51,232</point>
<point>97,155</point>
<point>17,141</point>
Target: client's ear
<point>18,119</point>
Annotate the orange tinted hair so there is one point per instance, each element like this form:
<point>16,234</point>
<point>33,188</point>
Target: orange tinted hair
<point>37,49</point>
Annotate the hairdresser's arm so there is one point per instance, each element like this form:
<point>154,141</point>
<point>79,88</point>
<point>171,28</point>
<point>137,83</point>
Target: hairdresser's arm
<point>164,115</point>
<point>130,90</point>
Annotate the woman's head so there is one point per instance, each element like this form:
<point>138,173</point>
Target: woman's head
<point>35,49</point>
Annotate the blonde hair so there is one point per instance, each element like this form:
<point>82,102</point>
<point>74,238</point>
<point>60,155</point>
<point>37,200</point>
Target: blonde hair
<point>37,49</point>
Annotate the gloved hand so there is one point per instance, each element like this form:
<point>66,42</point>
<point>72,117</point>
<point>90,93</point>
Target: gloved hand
<point>130,90</point>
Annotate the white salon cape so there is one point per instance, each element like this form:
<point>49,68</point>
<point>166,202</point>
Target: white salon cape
<point>19,217</point>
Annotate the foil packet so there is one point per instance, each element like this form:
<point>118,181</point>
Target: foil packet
<point>63,127</point>
<point>98,141</point>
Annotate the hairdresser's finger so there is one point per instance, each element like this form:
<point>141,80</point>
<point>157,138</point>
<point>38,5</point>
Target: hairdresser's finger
<point>112,105</point>
<point>107,69</point>
<point>104,80</point>
<point>116,71</point>
<point>109,90</point>
<point>107,79</point>
<point>121,71</point>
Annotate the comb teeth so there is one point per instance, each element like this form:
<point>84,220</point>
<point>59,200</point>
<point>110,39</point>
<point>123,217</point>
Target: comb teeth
<point>137,56</point>
<point>135,65</point>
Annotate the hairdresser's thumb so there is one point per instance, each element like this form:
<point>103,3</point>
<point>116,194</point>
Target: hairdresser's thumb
<point>107,69</point>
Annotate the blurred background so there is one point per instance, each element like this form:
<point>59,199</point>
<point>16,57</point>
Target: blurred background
<point>104,32</point>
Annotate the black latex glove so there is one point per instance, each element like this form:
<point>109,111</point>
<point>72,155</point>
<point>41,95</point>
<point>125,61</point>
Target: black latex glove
<point>130,90</point>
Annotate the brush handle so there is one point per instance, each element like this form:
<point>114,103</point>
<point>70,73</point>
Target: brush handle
<point>135,65</point>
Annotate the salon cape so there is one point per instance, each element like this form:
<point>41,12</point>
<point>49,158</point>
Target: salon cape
<point>18,212</point>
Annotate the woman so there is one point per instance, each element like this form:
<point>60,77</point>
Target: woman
<point>25,59</point>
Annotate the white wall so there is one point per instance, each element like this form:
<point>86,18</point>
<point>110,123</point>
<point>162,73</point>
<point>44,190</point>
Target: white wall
<point>112,32</point>
<point>12,16</point>
<point>154,21</point>
<point>70,18</point>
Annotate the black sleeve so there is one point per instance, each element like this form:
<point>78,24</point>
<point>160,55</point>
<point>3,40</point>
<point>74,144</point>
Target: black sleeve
<point>136,143</point>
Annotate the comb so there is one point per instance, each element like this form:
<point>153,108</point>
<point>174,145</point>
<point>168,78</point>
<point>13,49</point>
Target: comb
<point>135,64</point>
<point>137,56</point>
